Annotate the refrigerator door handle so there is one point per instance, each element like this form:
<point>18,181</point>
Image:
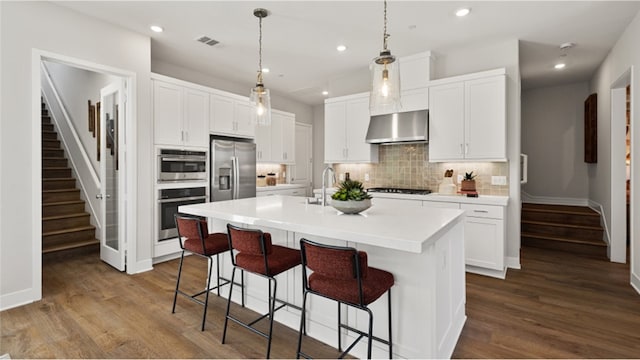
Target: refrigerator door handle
<point>235,174</point>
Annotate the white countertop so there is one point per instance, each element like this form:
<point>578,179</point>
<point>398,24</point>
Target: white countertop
<point>279,187</point>
<point>400,228</point>
<point>480,200</point>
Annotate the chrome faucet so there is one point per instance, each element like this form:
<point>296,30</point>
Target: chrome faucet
<point>324,186</point>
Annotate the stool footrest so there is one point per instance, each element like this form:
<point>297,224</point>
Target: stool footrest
<point>362,333</point>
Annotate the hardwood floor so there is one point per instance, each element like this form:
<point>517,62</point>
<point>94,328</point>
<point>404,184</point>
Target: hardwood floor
<point>558,306</point>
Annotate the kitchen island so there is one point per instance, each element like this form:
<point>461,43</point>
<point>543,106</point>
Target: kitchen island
<point>422,247</point>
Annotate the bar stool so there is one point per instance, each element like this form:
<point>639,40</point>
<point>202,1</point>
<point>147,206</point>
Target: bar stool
<point>342,274</point>
<point>252,251</point>
<point>194,238</point>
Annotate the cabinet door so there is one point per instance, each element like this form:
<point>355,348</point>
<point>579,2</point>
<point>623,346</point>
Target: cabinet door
<point>446,122</point>
<point>244,124</point>
<point>221,114</point>
<point>196,118</point>
<point>334,132</point>
<point>167,113</point>
<point>263,143</point>
<point>485,119</point>
<point>277,121</point>
<point>416,99</point>
<point>288,139</point>
<point>357,124</point>
<point>484,242</point>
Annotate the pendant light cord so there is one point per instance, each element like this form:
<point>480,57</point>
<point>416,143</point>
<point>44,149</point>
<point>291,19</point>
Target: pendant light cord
<point>260,52</point>
<point>385,35</point>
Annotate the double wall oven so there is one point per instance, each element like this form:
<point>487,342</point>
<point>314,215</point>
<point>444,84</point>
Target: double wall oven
<point>180,174</point>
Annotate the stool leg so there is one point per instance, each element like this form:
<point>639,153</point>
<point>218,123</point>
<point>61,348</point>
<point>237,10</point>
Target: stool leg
<point>218,272</point>
<point>390,337</point>
<point>175,295</point>
<point>226,318</point>
<point>206,295</point>
<point>339,329</point>
<point>272,305</point>
<point>302,323</point>
<point>241,285</point>
<point>370,340</point>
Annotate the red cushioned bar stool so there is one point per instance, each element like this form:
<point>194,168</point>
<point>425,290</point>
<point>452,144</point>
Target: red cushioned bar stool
<point>342,274</point>
<point>194,238</point>
<point>253,252</point>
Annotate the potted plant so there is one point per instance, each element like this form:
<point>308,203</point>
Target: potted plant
<point>468,182</point>
<point>351,198</point>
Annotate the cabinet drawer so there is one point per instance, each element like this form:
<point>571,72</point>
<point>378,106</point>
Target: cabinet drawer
<point>484,211</point>
<point>441,204</point>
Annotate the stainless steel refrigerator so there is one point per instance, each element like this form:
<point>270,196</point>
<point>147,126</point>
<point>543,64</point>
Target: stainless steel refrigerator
<point>233,168</point>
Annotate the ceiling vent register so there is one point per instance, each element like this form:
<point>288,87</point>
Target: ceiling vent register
<point>207,40</point>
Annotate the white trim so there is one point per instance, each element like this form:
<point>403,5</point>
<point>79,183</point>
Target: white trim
<point>512,262</point>
<point>499,274</point>
<point>467,77</point>
<point>635,282</point>
<point>130,162</point>
<point>18,298</point>
<point>603,221</point>
<point>80,164</point>
<point>552,200</point>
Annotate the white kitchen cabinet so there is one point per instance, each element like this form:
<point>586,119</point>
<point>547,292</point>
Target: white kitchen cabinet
<point>231,116</point>
<point>297,191</point>
<point>379,201</point>
<point>484,236</point>
<point>467,118</point>
<point>276,143</point>
<point>180,115</point>
<point>346,122</point>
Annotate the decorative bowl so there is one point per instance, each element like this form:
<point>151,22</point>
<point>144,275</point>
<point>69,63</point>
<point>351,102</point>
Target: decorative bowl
<point>351,206</point>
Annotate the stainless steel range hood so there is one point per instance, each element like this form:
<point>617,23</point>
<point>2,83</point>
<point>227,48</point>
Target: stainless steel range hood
<point>404,127</point>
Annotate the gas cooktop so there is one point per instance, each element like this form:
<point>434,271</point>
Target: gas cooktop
<point>400,191</point>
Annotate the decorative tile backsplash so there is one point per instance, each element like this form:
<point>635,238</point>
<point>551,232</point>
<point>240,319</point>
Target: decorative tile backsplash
<point>278,169</point>
<point>408,166</point>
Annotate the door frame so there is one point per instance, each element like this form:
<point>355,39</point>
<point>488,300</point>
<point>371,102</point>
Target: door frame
<point>129,77</point>
<point>309,186</point>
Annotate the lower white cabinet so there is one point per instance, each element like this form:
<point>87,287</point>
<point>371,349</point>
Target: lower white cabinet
<point>484,236</point>
<point>301,191</point>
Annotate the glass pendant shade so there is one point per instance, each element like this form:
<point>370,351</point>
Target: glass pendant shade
<point>261,100</point>
<point>385,84</point>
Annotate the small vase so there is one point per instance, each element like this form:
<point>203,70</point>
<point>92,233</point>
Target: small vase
<point>468,185</point>
<point>447,187</point>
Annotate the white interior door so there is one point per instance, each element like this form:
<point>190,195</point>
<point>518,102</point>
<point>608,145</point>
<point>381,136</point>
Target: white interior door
<point>303,169</point>
<point>112,120</point>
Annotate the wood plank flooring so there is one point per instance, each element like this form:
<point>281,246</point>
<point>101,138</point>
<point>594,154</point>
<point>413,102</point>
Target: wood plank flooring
<point>558,306</point>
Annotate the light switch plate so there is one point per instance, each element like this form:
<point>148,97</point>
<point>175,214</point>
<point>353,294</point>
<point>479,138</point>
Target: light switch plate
<point>366,177</point>
<point>498,180</point>
<point>460,177</point>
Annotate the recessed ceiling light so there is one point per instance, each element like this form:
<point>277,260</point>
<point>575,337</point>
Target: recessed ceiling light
<point>265,70</point>
<point>341,48</point>
<point>560,66</point>
<point>156,28</point>
<point>463,12</point>
<point>325,93</point>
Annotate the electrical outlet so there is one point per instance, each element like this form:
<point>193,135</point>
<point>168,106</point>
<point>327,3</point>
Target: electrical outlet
<point>341,176</point>
<point>498,180</point>
<point>460,177</point>
<point>366,177</point>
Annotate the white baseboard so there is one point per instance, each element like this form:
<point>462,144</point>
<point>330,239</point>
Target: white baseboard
<point>603,221</point>
<point>487,272</point>
<point>140,267</point>
<point>18,298</point>
<point>552,200</point>
<point>513,262</point>
<point>635,282</point>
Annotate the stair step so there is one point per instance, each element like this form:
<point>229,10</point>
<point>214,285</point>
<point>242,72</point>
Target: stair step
<point>65,221</point>
<point>56,172</point>
<point>574,246</point>
<point>51,144</point>
<point>594,233</point>
<point>44,112</point>
<point>573,215</point>
<point>58,237</point>
<point>46,120</point>
<point>52,196</point>
<point>53,153</point>
<point>58,183</point>
<point>62,207</point>
<point>54,162</point>
<point>47,127</point>
<point>49,135</point>
<point>48,249</point>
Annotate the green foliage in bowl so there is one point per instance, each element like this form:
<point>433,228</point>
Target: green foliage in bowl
<point>350,190</point>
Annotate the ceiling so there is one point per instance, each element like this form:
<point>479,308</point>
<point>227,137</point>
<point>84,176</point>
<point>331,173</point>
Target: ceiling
<point>300,37</point>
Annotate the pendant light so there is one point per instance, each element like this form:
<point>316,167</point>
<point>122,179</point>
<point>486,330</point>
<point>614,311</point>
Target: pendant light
<point>385,78</point>
<point>260,97</point>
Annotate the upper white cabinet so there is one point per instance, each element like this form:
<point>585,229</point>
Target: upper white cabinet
<point>467,118</point>
<point>180,115</point>
<point>276,143</point>
<point>230,115</point>
<point>346,120</point>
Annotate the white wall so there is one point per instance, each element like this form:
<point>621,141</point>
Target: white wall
<point>459,61</point>
<point>624,55</point>
<point>29,26</point>
<point>304,112</point>
<point>75,86</point>
<point>553,138</point>
<point>318,145</point>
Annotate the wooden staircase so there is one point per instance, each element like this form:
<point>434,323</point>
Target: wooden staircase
<point>567,228</point>
<point>65,224</point>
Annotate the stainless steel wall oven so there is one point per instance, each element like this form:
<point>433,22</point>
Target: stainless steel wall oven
<point>168,202</point>
<point>180,165</point>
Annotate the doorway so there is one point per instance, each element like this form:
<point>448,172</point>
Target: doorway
<point>118,115</point>
<point>303,169</point>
